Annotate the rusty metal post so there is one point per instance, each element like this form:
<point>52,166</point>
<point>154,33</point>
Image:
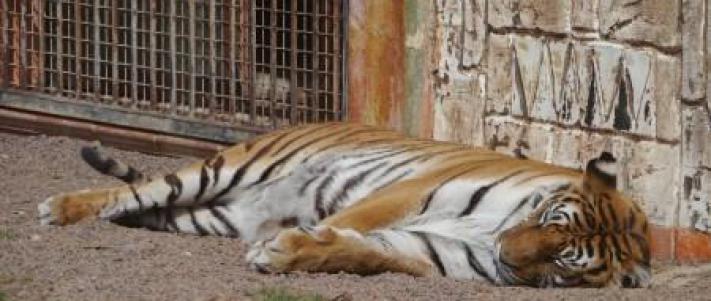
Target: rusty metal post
<point>211,97</point>
<point>77,48</point>
<point>336,79</point>
<point>272,61</point>
<point>97,51</point>
<point>193,58</point>
<point>252,60</point>
<point>292,67</point>
<point>114,50</point>
<point>316,95</point>
<point>153,56</point>
<point>60,48</point>
<point>134,53</point>
<point>39,5</point>
<point>173,59</point>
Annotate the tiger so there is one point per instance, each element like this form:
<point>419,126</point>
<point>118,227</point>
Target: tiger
<point>346,197</point>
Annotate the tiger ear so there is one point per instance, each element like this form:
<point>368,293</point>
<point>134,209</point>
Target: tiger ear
<point>601,172</point>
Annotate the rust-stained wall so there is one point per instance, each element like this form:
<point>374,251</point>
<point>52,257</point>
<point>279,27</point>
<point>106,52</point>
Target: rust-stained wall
<point>392,55</point>
<point>376,56</point>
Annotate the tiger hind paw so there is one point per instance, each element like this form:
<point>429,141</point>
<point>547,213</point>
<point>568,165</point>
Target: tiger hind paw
<point>46,214</point>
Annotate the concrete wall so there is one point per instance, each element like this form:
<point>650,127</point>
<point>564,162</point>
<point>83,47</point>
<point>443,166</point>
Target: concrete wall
<point>561,80</point>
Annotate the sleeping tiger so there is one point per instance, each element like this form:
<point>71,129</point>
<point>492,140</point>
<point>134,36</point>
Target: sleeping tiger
<point>353,198</point>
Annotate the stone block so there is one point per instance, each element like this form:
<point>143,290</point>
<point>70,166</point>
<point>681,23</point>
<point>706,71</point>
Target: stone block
<point>474,32</point>
<point>651,21</point>
<point>546,15</point>
<point>508,135</point>
<point>463,33</point>
<point>692,43</point>
<point>459,111</point>
<point>624,87</point>
<point>449,31</point>
<point>584,15</point>
<point>499,82</point>
<point>695,210</point>
<point>543,79</point>
<point>652,177</point>
<point>666,77</point>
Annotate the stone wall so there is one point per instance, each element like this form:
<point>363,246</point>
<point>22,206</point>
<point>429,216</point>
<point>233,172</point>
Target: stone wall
<point>563,80</point>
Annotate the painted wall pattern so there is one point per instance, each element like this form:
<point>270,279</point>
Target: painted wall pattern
<point>562,80</point>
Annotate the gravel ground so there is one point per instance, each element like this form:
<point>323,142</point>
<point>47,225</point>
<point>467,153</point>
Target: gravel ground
<point>102,261</point>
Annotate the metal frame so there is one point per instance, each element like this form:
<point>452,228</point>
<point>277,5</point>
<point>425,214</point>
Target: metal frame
<point>160,65</point>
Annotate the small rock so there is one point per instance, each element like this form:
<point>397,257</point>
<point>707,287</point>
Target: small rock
<point>18,212</point>
<point>187,253</point>
<point>35,237</point>
<point>4,157</point>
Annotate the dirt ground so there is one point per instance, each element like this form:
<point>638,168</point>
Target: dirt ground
<point>102,261</point>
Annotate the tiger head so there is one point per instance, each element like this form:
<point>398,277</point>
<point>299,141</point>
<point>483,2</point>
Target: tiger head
<point>582,234</point>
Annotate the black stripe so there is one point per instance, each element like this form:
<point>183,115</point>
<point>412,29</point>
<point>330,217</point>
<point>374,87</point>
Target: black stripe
<point>600,269</point>
<point>131,176</point>
<point>199,228</point>
<point>576,220</point>
<point>589,216</point>
<point>602,245</point>
<point>627,246</point>
<point>603,217</point>
<point>613,216</point>
<point>479,194</point>
<point>514,211</point>
<point>643,245</point>
<point>338,141</point>
<point>318,198</point>
<point>217,168</point>
<point>616,247</point>
<point>350,184</point>
<point>204,181</point>
<point>430,196</point>
<point>308,131</point>
<point>220,216</point>
<point>432,252</point>
<point>176,189</point>
<point>401,164</point>
<point>215,230</point>
<point>590,250</point>
<point>239,173</point>
<point>428,200</point>
<point>632,220</point>
<point>475,264</point>
<point>302,189</point>
<point>381,239</point>
<point>393,180</point>
<point>579,252</point>
<point>266,174</point>
<point>136,197</point>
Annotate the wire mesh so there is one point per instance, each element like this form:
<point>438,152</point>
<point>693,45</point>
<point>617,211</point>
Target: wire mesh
<point>265,63</point>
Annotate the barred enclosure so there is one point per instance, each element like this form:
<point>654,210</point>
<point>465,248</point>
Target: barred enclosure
<point>259,64</point>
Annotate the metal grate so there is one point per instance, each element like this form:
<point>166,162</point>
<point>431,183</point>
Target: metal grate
<point>260,63</point>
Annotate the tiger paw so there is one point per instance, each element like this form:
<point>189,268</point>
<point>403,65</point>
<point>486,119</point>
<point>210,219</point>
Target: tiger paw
<point>66,209</point>
<point>313,249</point>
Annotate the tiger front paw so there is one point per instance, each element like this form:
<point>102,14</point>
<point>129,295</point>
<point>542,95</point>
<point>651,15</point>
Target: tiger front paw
<point>312,249</point>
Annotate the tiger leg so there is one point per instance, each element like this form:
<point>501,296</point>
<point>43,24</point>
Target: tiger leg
<point>194,185</point>
<point>328,249</point>
<point>341,242</point>
<point>203,220</point>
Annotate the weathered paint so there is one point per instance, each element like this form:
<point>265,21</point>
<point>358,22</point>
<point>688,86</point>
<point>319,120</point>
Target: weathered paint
<point>376,62</point>
<point>420,57</point>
